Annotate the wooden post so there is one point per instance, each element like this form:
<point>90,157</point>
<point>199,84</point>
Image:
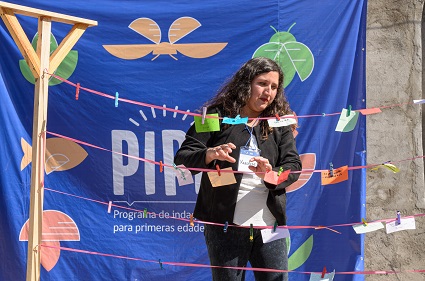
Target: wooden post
<point>40,62</point>
<point>38,151</point>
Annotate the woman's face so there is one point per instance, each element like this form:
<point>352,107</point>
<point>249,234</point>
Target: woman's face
<point>263,91</point>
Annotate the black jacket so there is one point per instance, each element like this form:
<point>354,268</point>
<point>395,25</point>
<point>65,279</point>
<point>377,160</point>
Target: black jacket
<point>217,204</point>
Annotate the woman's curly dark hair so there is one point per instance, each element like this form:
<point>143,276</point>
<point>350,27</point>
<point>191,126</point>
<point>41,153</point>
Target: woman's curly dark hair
<point>235,93</point>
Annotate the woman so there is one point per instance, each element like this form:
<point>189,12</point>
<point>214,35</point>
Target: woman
<point>255,90</point>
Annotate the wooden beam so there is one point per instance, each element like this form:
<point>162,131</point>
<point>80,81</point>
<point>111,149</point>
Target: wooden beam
<point>38,152</point>
<point>21,40</point>
<point>66,45</point>
<point>36,13</point>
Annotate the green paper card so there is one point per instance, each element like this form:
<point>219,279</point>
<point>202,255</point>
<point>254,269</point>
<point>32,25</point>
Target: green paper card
<point>210,124</point>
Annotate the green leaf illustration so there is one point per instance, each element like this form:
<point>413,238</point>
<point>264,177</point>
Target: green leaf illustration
<point>276,52</point>
<point>65,69</point>
<point>288,244</point>
<point>293,57</point>
<point>300,256</point>
<point>301,58</point>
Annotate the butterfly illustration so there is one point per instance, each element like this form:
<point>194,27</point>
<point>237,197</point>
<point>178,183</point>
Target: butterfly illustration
<point>149,29</point>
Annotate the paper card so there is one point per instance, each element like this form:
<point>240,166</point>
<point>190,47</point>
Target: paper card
<point>224,179</point>
<point>391,167</point>
<point>371,226</point>
<point>406,223</point>
<point>273,178</point>
<point>210,124</point>
<point>347,124</point>
<point>368,111</point>
<point>340,175</point>
<point>318,276</point>
<point>183,175</point>
<point>284,121</point>
<point>268,235</point>
<point>236,120</point>
<point>418,101</point>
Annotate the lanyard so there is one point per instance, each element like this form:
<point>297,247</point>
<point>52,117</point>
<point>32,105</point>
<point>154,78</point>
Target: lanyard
<point>250,131</point>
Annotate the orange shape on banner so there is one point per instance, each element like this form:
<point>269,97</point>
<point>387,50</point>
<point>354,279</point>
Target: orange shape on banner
<point>57,226</point>
<point>340,175</point>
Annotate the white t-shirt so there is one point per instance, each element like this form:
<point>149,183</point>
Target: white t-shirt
<point>251,205</point>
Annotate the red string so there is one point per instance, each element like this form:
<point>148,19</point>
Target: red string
<point>222,171</point>
<point>200,115</point>
<point>219,224</point>
<point>369,272</point>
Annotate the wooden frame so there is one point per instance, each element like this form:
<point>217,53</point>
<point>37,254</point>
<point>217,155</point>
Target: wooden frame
<point>40,61</point>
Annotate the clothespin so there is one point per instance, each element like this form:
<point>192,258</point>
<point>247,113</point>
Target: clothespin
<point>398,221</point>
<point>191,220</point>
<point>161,167</point>
<point>251,232</point>
<point>277,117</point>
<point>160,263</point>
<point>364,222</point>
<point>116,99</point>
<point>77,91</point>
<point>323,272</point>
<point>348,110</point>
<point>226,224</point>
<point>280,171</point>
<point>218,169</point>
<point>145,213</point>
<point>109,207</point>
<point>331,169</point>
<point>204,112</point>
<point>275,226</point>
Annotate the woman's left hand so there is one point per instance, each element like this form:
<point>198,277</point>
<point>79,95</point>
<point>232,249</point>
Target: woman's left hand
<point>263,166</point>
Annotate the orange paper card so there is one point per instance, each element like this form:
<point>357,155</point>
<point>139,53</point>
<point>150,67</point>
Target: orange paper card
<point>368,111</point>
<point>340,175</point>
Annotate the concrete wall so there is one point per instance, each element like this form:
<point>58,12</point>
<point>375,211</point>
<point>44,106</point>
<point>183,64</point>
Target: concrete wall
<point>394,76</point>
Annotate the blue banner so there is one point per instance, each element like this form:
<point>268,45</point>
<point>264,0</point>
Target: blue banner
<point>108,216</point>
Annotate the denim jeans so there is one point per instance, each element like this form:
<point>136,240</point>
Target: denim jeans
<point>234,249</point>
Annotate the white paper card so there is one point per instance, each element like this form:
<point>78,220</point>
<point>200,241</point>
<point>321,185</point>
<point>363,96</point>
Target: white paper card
<point>183,175</point>
<point>245,155</point>
<point>268,235</point>
<point>405,223</point>
<point>418,101</point>
<point>371,226</point>
<point>318,276</point>
<point>347,123</point>
<point>284,121</point>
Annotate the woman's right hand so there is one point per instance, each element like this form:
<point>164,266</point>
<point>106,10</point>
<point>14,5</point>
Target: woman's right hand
<point>220,152</point>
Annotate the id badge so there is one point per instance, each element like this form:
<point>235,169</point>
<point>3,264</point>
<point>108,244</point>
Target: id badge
<point>245,154</point>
